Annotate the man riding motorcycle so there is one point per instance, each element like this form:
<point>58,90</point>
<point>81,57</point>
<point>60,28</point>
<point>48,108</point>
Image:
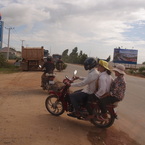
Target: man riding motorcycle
<point>89,81</point>
<point>48,67</point>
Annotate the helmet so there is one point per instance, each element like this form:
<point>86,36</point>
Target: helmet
<point>49,58</point>
<point>89,63</point>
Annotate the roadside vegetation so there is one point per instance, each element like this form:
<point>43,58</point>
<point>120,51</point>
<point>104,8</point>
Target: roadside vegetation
<point>74,57</point>
<point>6,66</point>
<point>137,72</point>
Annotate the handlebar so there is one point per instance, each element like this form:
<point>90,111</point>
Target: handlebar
<point>68,80</point>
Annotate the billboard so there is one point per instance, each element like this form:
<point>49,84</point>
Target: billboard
<point>128,56</point>
<point>1,33</point>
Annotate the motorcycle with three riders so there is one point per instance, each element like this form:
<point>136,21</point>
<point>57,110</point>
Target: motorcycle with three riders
<point>58,102</point>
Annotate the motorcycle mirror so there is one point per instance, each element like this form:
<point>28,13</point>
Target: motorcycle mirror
<point>75,72</point>
<point>66,77</point>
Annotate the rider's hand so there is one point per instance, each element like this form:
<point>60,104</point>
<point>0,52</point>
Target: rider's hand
<point>75,78</point>
<point>67,82</point>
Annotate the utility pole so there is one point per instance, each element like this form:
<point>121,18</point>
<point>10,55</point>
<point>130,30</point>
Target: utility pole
<point>9,29</point>
<point>22,42</point>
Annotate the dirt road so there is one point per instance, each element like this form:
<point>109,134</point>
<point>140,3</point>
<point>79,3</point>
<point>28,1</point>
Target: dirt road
<point>25,121</point>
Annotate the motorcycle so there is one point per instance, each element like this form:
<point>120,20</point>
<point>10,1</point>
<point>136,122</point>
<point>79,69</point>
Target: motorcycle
<point>49,81</point>
<point>58,102</point>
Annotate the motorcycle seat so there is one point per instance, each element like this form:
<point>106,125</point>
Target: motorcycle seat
<point>115,104</point>
<point>49,75</point>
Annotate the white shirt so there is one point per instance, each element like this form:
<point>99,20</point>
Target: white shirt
<point>104,84</point>
<point>89,82</point>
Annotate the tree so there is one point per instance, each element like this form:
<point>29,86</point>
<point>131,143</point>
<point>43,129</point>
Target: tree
<point>108,59</point>
<point>65,55</point>
<point>2,60</point>
<point>73,57</point>
<point>82,57</point>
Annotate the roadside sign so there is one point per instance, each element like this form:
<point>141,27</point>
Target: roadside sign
<point>128,56</point>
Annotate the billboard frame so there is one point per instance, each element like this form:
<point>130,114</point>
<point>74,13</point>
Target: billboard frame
<point>126,56</point>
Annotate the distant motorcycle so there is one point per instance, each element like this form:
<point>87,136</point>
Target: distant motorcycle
<point>58,102</point>
<point>49,81</point>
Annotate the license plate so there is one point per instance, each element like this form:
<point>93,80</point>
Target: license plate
<point>51,82</point>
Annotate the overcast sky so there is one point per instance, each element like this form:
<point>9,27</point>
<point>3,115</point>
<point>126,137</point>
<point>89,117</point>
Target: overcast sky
<point>94,26</point>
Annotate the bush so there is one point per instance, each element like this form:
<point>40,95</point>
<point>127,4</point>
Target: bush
<point>131,71</point>
<point>6,67</point>
<point>2,60</point>
<point>142,70</point>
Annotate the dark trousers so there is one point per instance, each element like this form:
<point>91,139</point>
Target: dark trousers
<point>105,101</point>
<point>91,98</point>
<point>78,98</point>
<point>43,79</point>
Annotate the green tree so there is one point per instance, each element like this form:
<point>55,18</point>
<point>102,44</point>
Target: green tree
<point>142,70</point>
<point>73,57</point>
<point>65,56</point>
<point>108,59</point>
<point>82,57</point>
<point>2,60</point>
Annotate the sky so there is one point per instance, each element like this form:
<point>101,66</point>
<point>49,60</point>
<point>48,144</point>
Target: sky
<point>96,27</point>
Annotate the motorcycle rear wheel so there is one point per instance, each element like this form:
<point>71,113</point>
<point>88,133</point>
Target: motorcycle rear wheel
<point>53,105</point>
<point>103,124</point>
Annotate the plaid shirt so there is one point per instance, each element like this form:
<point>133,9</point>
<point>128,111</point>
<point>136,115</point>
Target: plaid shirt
<point>118,87</point>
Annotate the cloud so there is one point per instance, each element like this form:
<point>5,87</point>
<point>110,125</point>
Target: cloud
<point>18,14</point>
<point>83,23</point>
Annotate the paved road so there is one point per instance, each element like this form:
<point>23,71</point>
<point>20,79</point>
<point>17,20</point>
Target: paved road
<point>131,111</point>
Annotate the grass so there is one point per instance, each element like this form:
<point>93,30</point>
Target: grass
<point>9,69</point>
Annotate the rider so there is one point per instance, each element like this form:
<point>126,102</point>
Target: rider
<point>117,91</point>
<point>48,67</point>
<point>89,81</point>
<point>103,85</point>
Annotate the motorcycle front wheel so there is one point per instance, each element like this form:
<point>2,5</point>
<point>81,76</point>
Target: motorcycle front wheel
<point>103,124</point>
<point>53,105</point>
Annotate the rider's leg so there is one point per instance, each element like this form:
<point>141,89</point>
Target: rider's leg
<point>104,102</point>
<point>91,98</point>
<point>42,79</point>
<point>76,98</point>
